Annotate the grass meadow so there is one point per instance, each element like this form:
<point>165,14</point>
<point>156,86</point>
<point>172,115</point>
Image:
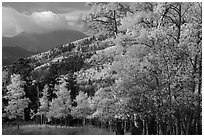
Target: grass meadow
<point>53,130</point>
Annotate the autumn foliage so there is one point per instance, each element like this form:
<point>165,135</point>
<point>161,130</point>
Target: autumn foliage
<point>143,77</point>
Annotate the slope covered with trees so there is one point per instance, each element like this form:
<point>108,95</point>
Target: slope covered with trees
<point>141,72</point>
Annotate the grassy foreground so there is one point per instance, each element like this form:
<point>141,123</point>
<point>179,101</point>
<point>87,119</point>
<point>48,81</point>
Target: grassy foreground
<point>52,130</point>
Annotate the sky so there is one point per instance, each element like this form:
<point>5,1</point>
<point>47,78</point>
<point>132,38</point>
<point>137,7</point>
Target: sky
<point>40,17</point>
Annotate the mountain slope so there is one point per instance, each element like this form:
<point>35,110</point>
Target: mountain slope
<point>42,42</point>
<point>85,47</point>
<point>11,54</point>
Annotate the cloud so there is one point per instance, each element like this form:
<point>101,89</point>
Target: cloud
<point>48,20</point>
<point>14,22</point>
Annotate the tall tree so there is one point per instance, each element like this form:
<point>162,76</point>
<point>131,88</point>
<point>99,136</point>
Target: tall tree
<point>82,110</point>
<point>158,61</point>
<point>62,104</point>
<point>104,17</point>
<point>17,101</point>
<point>44,103</point>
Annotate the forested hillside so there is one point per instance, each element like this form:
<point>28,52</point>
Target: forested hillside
<point>140,73</point>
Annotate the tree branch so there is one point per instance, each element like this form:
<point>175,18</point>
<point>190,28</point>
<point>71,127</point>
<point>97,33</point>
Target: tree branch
<point>141,43</point>
<point>175,8</point>
<point>172,20</point>
<point>185,11</point>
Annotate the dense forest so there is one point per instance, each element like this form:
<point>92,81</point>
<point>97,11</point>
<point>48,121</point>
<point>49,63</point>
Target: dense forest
<point>139,72</point>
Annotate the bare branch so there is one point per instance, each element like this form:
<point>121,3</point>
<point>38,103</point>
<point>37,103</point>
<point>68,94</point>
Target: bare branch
<point>175,8</point>
<point>173,37</point>
<point>172,14</point>
<point>141,44</point>
<point>169,17</point>
<point>185,11</point>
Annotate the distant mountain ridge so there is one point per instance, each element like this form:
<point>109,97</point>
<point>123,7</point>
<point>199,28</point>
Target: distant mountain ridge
<point>42,42</point>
